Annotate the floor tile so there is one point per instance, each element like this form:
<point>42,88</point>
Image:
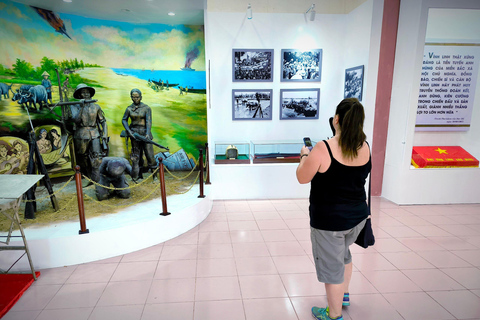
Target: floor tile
<point>372,306</point>
<point>21,315</point>
<point>444,259</point>
<point>273,308</point>
<point>421,244</point>
<point>143,270</point>
<point>214,237</point>
<point>460,230</point>
<point>117,313</point>
<point>263,286</point>
<point>246,236</point>
<point>285,248</point>
<point>303,306</point>
<point>149,254</point>
<point>240,216</point>
<point>471,256</point>
<point>360,285</point>
<point>226,309</point>
<point>432,280</point>
<point>298,223</point>
<point>430,231</point>
<point>78,295</point>
<point>250,250</point>
<point>296,214</point>
<point>390,245</point>
<point>125,293</point>
<point>243,225</point>
<point>171,290</point>
<point>217,288</point>
<point>36,297</point>
<point>176,269</point>
<point>277,235</point>
<point>55,275</point>
<point>170,311</point>
<point>62,314</point>
<point>216,268</point>
<point>215,251</point>
<point>468,277</point>
<point>417,305</point>
<point>267,215</point>
<point>255,266</point>
<point>462,304</point>
<point>213,226</point>
<point>303,285</point>
<point>401,232</point>
<point>390,281</point>
<point>372,261</point>
<point>86,273</point>
<point>182,252</point>
<point>453,243</point>
<point>272,224</point>
<point>293,264</point>
<point>407,260</point>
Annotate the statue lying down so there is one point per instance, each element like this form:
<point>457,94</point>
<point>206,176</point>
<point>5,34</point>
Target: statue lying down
<point>112,171</point>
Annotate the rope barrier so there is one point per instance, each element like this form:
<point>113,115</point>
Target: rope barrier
<point>51,195</point>
<point>188,175</point>
<point>119,189</point>
<point>122,206</point>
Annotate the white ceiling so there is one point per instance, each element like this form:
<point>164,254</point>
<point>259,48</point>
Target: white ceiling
<point>189,12</point>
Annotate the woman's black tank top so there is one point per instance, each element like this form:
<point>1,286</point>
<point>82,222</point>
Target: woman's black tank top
<point>337,196</point>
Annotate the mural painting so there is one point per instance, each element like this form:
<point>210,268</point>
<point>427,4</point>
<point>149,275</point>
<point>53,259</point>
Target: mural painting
<point>45,55</point>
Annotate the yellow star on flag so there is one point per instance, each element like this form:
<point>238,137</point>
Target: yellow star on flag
<point>440,151</point>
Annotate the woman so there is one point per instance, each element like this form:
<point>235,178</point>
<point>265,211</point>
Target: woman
<point>337,169</point>
<point>56,139</point>
<point>44,145</point>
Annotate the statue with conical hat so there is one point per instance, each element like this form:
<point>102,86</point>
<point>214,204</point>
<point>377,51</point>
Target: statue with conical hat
<point>90,131</point>
<point>47,84</point>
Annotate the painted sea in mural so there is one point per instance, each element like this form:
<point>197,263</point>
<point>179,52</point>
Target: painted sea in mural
<point>190,79</point>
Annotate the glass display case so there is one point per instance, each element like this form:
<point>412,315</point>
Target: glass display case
<point>232,152</point>
<point>276,151</point>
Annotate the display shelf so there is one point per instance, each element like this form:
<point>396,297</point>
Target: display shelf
<point>243,152</point>
<point>283,151</point>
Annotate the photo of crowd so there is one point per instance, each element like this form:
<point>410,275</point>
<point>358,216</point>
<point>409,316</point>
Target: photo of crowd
<point>299,103</point>
<point>354,83</point>
<point>252,104</point>
<point>252,65</point>
<point>301,65</point>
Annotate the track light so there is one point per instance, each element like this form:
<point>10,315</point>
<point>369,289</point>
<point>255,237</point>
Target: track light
<point>249,11</point>
<point>312,13</point>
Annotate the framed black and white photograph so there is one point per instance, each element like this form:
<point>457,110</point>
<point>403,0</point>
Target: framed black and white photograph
<point>301,66</point>
<point>252,104</point>
<point>354,83</point>
<point>252,65</point>
<point>298,104</point>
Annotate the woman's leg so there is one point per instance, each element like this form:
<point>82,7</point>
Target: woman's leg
<point>335,299</point>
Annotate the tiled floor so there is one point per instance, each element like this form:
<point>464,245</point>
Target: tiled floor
<point>252,260</point>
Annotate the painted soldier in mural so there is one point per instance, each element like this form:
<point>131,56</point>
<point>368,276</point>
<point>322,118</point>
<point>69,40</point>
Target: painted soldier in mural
<point>90,131</point>
<point>140,116</point>
<point>48,85</point>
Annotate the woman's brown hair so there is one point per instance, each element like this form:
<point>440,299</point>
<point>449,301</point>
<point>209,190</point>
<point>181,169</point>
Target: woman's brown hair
<point>350,119</point>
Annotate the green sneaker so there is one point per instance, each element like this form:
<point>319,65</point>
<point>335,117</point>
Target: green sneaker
<point>346,299</point>
<point>322,314</point>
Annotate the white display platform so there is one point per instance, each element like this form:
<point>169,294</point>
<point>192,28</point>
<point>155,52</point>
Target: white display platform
<point>135,228</point>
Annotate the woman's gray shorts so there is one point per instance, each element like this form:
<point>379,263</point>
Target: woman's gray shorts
<point>331,252</point>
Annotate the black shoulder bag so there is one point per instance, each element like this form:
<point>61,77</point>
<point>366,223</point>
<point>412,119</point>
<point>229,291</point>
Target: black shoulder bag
<point>365,237</point>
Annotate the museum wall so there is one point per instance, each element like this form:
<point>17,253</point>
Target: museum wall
<point>346,40</point>
<point>113,57</point>
<point>401,183</point>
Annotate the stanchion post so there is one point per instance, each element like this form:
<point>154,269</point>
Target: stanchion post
<point>81,208</point>
<point>161,173</point>
<point>207,164</point>
<point>200,164</point>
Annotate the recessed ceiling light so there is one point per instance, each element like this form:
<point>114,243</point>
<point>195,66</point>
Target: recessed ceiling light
<point>171,14</point>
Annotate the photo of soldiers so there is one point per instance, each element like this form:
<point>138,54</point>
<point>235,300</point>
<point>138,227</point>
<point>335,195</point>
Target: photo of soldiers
<point>250,65</point>
<point>301,65</point>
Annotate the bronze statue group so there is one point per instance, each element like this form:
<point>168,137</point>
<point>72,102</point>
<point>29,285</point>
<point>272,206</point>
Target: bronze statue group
<point>91,141</point>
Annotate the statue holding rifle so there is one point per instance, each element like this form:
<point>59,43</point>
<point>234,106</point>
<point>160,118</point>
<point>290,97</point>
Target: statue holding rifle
<point>90,131</point>
<point>140,132</point>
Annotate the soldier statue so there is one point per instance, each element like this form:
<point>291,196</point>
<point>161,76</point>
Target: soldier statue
<point>112,171</point>
<point>90,132</point>
<point>140,116</point>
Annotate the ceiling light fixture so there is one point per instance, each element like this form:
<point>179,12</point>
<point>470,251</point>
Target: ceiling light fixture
<point>249,11</point>
<point>171,14</point>
<point>311,16</point>
<point>67,0</point>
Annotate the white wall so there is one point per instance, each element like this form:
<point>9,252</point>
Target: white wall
<point>346,41</point>
<point>401,184</point>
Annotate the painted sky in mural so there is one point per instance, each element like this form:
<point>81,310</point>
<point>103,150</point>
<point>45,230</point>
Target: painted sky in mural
<point>107,43</point>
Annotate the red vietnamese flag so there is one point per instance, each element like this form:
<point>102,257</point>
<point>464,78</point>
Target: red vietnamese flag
<point>442,157</point>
